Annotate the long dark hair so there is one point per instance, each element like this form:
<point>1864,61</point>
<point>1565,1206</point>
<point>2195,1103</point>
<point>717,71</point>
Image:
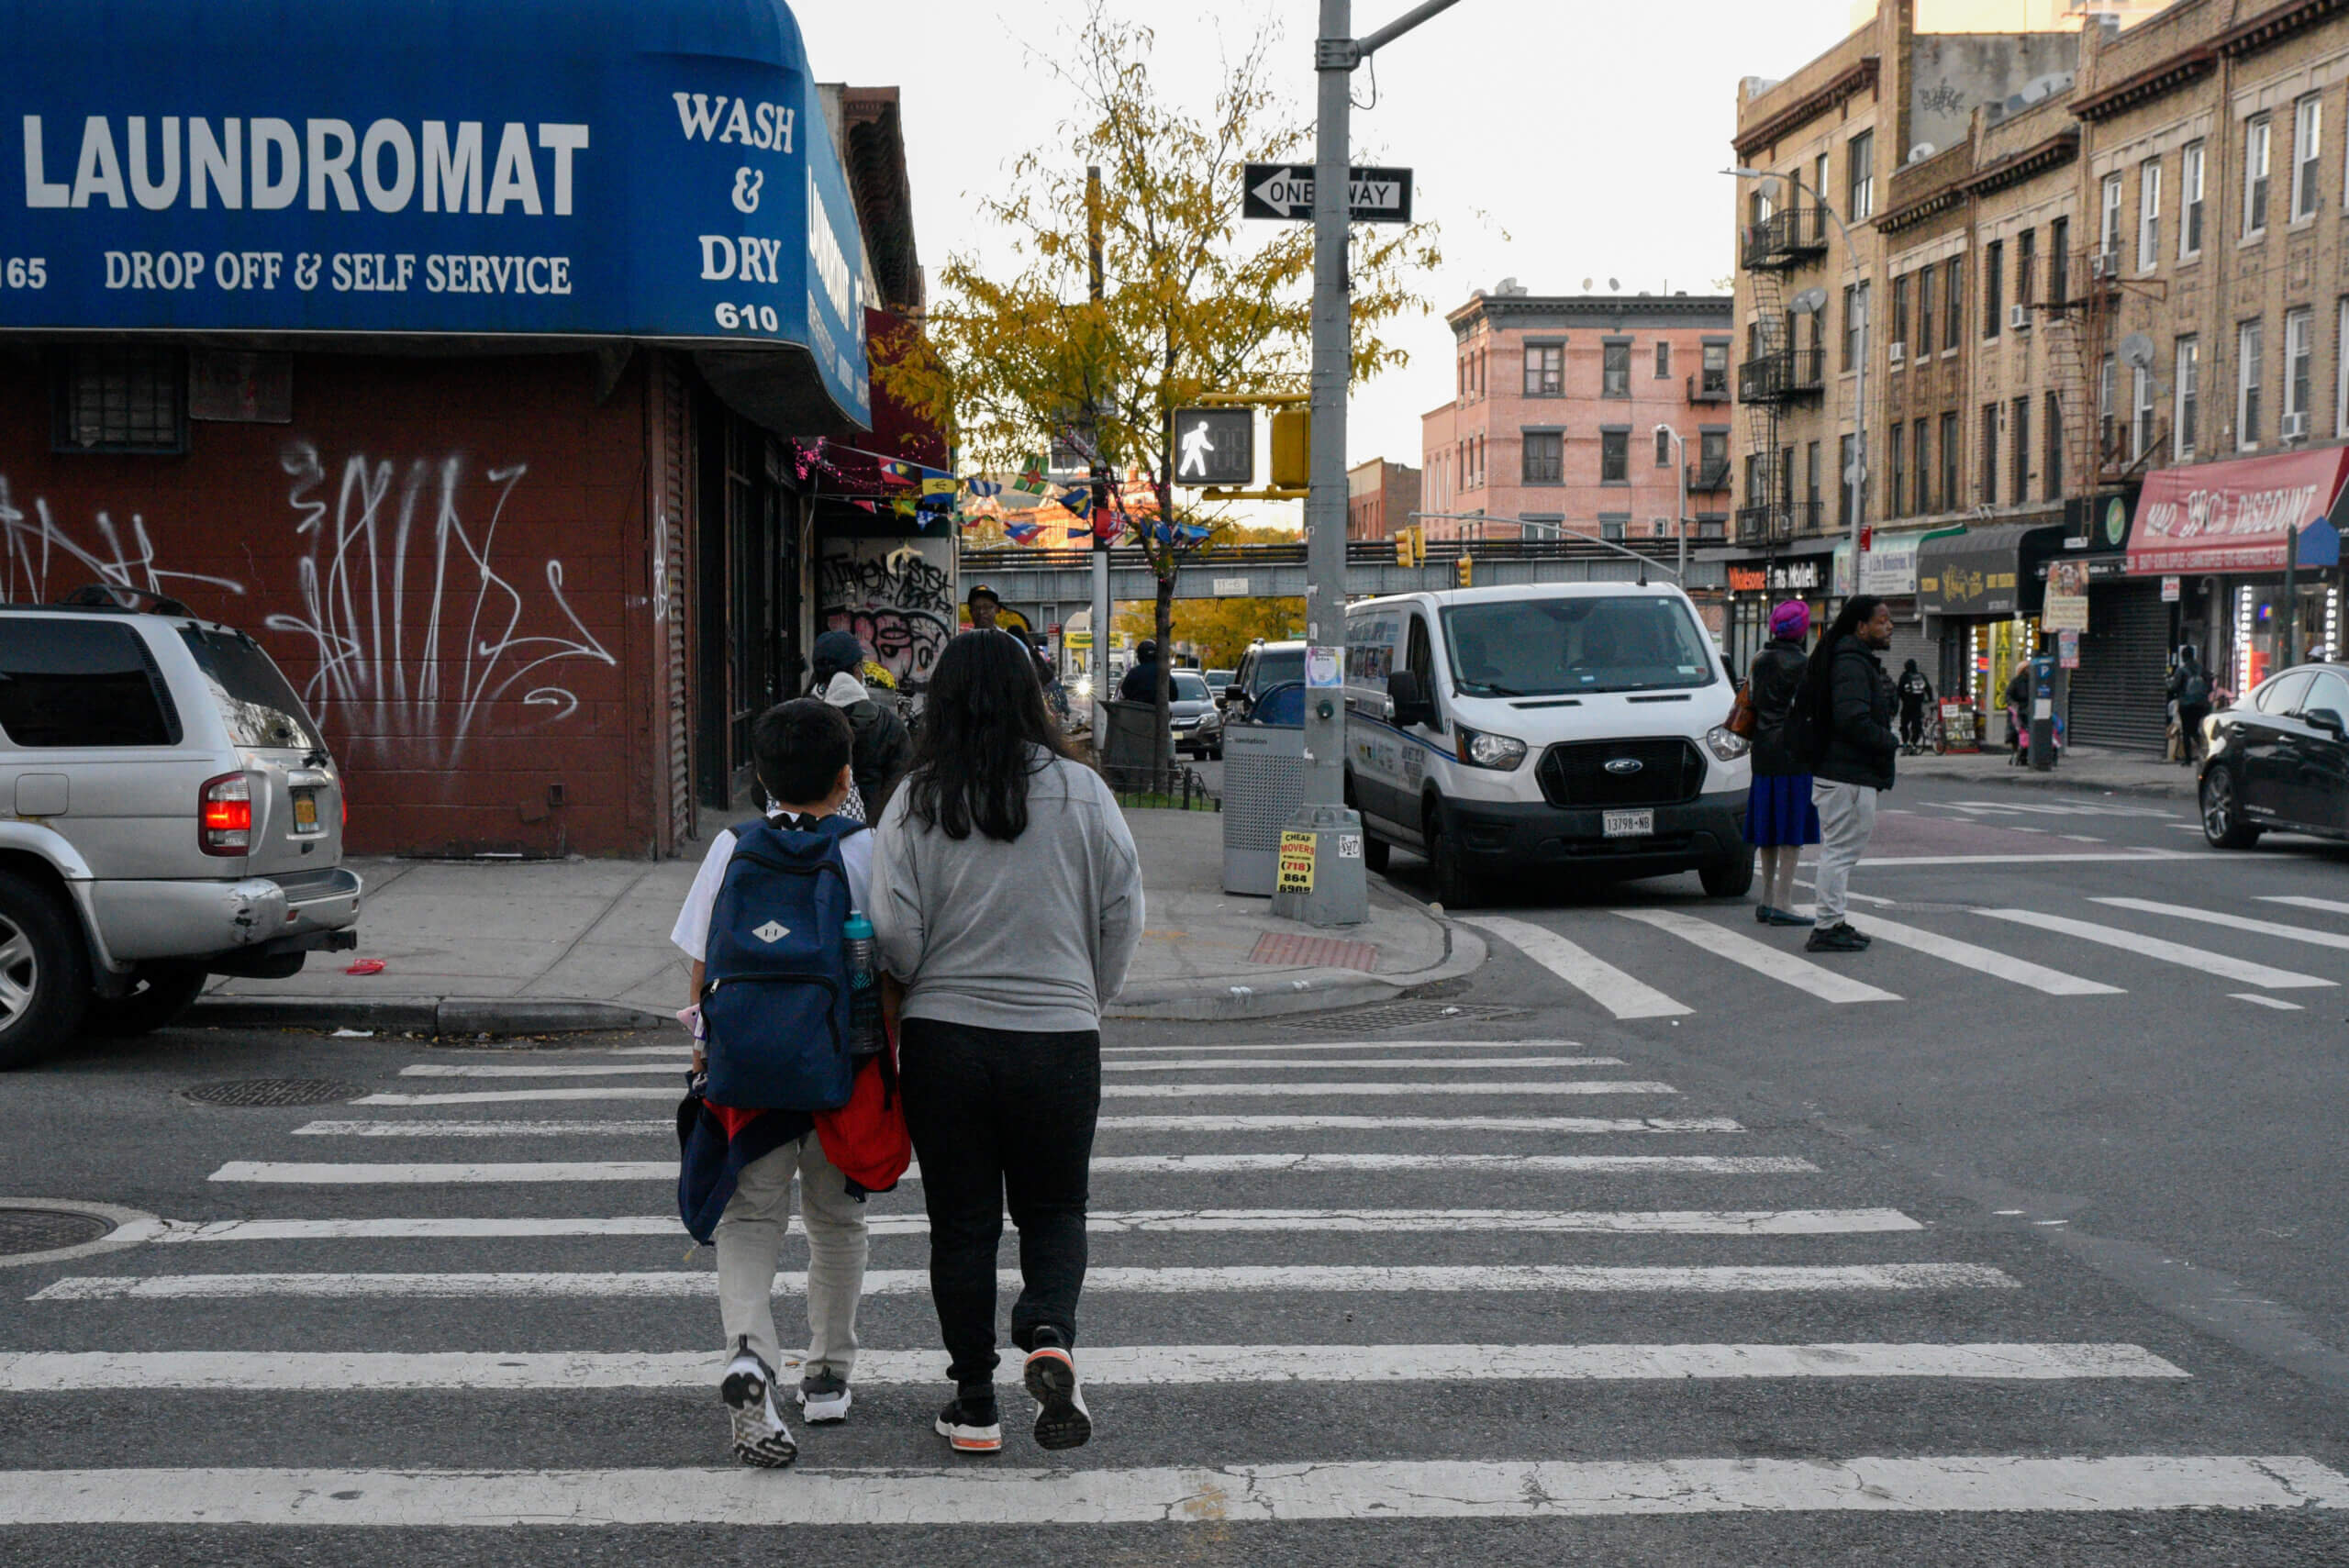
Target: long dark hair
<point>1818,674</point>
<point>981,727</point>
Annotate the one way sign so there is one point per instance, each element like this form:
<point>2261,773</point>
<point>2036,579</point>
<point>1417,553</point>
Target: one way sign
<point>1285,191</point>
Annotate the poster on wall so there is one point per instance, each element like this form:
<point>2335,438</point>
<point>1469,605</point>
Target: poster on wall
<point>2067,596</point>
<point>1958,732</point>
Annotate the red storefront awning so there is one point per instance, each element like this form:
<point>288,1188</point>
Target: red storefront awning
<point>2233,515</point>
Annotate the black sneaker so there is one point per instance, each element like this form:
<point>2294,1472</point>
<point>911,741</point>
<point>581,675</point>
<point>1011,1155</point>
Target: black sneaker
<point>1062,1419</point>
<point>972,1423</point>
<point>1835,939</point>
<point>824,1397</point>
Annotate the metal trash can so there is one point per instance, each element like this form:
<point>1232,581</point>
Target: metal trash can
<point>1125,751</point>
<point>1263,785</point>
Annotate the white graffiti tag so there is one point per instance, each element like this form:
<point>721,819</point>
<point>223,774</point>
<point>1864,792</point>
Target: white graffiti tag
<point>40,561</point>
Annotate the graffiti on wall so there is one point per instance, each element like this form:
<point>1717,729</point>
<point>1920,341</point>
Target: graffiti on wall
<point>412,626</point>
<point>895,598</point>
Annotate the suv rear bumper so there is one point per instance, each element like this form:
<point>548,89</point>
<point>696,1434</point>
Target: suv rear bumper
<point>195,921</point>
<point>1495,837</point>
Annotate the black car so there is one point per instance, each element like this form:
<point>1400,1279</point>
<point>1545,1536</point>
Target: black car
<point>2281,760</point>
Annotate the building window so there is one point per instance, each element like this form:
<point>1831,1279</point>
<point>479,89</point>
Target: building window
<point>2186,397</point>
<point>1615,371</point>
<point>1664,448</point>
<point>2149,214</point>
<point>1895,479</point>
<point>1545,370</point>
<point>1923,465</point>
<point>2108,230</point>
<point>1953,303</point>
<point>2308,136</point>
<point>1712,458</point>
<point>1545,461</point>
<point>2026,266</point>
<point>1810,468</point>
<point>1854,320</point>
<point>1716,374</point>
<point>1846,456</point>
<point>1615,457</point>
<point>1612,526</point>
<point>1660,526</point>
<point>2341,379</point>
<point>1860,177</point>
<point>1989,490</point>
<point>2140,413</point>
<point>1900,311</point>
<point>2250,343</point>
<point>1951,449</point>
<point>2299,352</point>
<point>2019,433</point>
<point>2189,201</point>
<point>1664,362</point>
<point>1994,287</point>
<point>1923,344</point>
<point>2256,138</point>
<point>2059,260</point>
<point>2051,462</point>
<point>121,400</point>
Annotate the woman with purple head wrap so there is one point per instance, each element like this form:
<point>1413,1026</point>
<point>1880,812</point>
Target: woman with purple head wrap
<point>1779,816</point>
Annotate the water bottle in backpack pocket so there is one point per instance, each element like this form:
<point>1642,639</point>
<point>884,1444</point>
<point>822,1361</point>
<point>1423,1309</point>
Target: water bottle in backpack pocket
<point>777,996</point>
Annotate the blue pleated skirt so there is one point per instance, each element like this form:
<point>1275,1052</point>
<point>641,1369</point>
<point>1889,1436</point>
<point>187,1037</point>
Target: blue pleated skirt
<point>1778,811</point>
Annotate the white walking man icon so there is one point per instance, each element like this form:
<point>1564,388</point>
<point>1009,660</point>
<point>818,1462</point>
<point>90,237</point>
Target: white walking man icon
<point>1196,447</point>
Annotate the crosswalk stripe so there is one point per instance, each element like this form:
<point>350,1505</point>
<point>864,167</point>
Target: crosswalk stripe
<point>1285,1045</point>
<point>1353,1490</point>
<point>2199,959</point>
<point>531,1069</point>
<point>1776,962</point>
<point>297,1172</point>
<point>1109,1092</point>
<point>2233,922</point>
<point>1278,1065</point>
<point>2275,1003</point>
<point>1625,995</point>
<point>668,1128</point>
<point>2126,857</point>
<point>65,1371</point>
<point>1988,960</point>
<point>1703,1279</point>
<point>1108,1222</point>
<point>2302,901</point>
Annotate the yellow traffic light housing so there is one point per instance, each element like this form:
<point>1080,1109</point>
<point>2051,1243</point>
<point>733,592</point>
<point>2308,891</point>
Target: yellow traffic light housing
<point>1467,570</point>
<point>1403,548</point>
<point>1292,448</point>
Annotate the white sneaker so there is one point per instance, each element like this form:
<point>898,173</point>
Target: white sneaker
<point>760,1437</point>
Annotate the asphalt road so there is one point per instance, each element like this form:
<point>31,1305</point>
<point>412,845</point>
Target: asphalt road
<point>1960,1271</point>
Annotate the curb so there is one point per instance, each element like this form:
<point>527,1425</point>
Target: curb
<point>2022,778</point>
<point>1319,990</point>
<point>426,1015</point>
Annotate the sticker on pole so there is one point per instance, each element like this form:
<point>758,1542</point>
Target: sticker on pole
<point>1350,846</point>
<point>1296,862</point>
<point>1322,669</point>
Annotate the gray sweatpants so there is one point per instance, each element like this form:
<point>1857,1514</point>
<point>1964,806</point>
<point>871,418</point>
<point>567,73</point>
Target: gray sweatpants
<point>750,1246</point>
<point>1846,822</point>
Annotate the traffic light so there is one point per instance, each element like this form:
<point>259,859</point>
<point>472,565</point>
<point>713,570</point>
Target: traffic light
<point>1403,546</point>
<point>1412,546</point>
<point>1467,570</point>
<point>1292,448</point>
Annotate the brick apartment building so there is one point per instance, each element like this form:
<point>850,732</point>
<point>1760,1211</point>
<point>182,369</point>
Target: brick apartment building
<point>1552,425</point>
<point>1380,498</point>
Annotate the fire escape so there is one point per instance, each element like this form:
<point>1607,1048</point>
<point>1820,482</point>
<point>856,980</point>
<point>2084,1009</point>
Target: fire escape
<point>1775,372</point>
<point>2082,336</point>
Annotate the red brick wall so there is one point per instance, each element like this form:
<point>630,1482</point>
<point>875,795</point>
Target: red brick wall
<point>449,557</point>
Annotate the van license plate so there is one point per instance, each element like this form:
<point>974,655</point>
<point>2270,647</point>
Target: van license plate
<point>305,811</point>
<point>1630,824</point>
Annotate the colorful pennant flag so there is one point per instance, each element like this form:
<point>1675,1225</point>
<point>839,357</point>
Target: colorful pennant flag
<point>1031,477</point>
<point>938,487</point>
<point>1022,532</point>
<point>1079,501</point>
<point>982,488</point>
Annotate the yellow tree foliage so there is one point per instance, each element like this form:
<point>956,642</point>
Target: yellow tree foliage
<point>1220,630</point>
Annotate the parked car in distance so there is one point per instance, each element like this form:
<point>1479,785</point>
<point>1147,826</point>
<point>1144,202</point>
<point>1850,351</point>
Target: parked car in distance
<point>2279,759</point>
<point>1216,681</point>
<point>1263,667</point>
<point>1192,715</point>
<point>175,816</point>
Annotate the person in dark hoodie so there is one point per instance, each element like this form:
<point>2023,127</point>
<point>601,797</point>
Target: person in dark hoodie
<point>883,747</point>
<point>1849,702</point>
<point>1779,816</point>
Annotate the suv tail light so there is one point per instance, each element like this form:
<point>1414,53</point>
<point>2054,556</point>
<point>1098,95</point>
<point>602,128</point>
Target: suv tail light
<point>225,816</point>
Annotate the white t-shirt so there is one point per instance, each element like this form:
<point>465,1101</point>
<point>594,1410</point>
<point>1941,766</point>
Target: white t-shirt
<point>691,932</point>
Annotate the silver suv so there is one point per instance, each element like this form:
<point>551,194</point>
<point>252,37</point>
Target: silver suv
<point>173,815</point>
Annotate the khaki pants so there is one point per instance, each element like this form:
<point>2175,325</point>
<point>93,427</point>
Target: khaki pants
<point>750,1246</point>
<point>1846,823</point>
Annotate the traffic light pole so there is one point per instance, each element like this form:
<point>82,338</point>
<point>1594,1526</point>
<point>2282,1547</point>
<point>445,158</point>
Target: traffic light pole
<point>1334,890</point>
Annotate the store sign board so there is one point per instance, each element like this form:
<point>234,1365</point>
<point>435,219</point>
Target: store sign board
<point>2235,516</point>
<point>2170,590</point>
<point>1890,567</point>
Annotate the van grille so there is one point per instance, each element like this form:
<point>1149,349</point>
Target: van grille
<point>1574,773</point>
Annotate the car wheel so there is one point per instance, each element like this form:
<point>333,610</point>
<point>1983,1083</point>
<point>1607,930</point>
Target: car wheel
<point>1730,878</point>
<point>1452,884</point>
<point>44,973</point>
<point>160,997</point>
<point>2223,822</point>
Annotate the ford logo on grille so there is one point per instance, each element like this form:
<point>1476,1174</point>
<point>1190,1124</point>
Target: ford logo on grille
<point>1624,764</point>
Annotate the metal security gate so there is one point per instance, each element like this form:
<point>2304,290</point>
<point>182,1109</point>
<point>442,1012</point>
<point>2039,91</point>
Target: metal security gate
<point>2117,692</point>
<point>1910,641</point>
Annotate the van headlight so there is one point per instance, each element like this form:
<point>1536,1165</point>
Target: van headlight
<point>1479,749</point>
<point>1724,745</point>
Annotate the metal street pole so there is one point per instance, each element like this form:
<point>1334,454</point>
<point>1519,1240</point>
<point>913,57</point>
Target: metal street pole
<point>1099,668</point>
<point>1336,891</point>
<point>1680,523</point>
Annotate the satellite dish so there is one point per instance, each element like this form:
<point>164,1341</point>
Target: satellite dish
<point>1613,284</point>
<point>1921,152</point>
<point>1585,285</point>
<point>2137,351</point>
<point>1808,300</point>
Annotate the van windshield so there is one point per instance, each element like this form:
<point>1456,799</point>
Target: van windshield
<point>1541,647</point>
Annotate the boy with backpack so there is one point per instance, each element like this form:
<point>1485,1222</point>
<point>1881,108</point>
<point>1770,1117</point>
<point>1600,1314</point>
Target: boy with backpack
<point>774,1050</point>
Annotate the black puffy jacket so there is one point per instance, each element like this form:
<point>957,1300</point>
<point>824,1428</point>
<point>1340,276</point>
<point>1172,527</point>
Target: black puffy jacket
<point>1856,740</point>
<point>1771,684</point>
<point>883,751</point>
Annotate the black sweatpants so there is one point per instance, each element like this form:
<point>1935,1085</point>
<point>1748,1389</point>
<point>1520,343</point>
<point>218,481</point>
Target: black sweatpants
<point>997,1116</point>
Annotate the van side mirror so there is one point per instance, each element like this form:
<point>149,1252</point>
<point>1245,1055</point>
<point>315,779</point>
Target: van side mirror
<point>1233,695</point>
<point>1407,696</point>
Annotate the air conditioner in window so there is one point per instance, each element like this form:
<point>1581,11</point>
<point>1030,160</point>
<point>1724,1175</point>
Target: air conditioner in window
<point>1895,354</point>
<point>2296,427</point>
<point>2104,265</point>
<point>2019,318</point>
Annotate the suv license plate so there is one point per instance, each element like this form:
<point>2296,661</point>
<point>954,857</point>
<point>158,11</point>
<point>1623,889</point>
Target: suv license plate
<point>1630,824</point>
<point>305,811</point>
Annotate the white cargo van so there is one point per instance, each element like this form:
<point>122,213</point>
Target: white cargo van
<point>1564,727</point>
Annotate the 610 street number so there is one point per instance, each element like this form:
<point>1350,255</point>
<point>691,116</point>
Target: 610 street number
<point>749,318</point>
<point>26,273</point>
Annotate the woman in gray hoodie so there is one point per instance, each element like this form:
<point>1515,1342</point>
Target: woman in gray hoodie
<point>1007,897</point>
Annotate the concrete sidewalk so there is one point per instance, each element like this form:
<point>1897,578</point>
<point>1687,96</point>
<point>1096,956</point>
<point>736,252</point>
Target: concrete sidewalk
<point>2083,768</point>
<point>511,947</point>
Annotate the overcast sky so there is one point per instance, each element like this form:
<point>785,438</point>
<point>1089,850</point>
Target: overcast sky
<point>1554,141</point>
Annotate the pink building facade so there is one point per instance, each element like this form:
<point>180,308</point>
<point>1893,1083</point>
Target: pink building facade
<point>1551,424</point>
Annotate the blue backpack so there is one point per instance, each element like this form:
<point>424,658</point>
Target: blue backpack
<point>774,1000</point>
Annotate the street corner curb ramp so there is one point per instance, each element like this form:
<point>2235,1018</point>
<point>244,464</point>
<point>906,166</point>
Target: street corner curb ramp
<point>445,1016</point>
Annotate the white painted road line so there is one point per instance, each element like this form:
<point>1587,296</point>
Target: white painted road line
<point>1437,1063</point>
<point>2020,971</point>
<point>1712,1280</point>
<point>650,1128</point>
<point>2241,971</point>
<point>1109,1092</point>
<point>2301,901</point>
<point>67,1372</point>
<point>1625,995</point>
<point>1779,963</point>
<point>1355,1490</point>
<point>1923,861</point>
<point>534,1070</point>
<point>1350,1045</point>
<point>2308,934</point>
<point>2277,1003</point>
<point>294,1172</point>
